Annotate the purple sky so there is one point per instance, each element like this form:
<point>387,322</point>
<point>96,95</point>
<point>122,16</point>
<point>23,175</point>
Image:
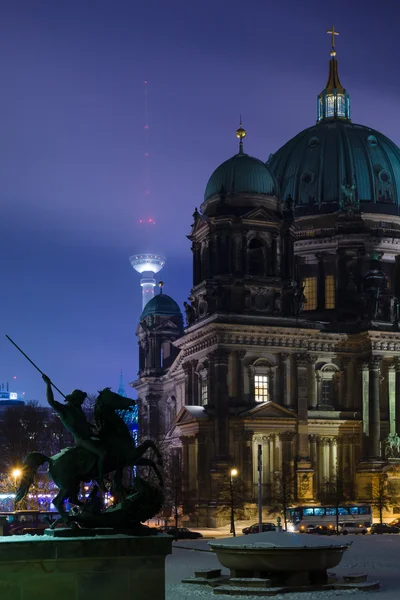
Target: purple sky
<point>72,144</point>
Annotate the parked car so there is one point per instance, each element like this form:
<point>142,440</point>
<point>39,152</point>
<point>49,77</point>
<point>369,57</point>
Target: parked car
<point>181,533</point>
<point>21,522</point>
<point>354,528</point>
<point>322,530</point>
<point>395,523</point>
<point>256,529</point>
<point>383,528</point>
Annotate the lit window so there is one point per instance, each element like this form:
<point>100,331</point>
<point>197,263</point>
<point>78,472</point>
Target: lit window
<point>261,388</point>
<point>330,291</point>
<point>310,292</point>
<point>330,106</point>
<point>204,391</point>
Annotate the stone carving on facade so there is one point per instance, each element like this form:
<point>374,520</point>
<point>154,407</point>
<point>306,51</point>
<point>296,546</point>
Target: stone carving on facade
<point>349,201</point>
<point>190,314</point>
<point>299,299</point>
<point>392,446</point>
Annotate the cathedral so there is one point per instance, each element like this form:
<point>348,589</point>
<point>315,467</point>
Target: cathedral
<point>291,336</point>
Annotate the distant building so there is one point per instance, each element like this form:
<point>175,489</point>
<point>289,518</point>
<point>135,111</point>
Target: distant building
<point>9,399</point>
<point>292,340</point>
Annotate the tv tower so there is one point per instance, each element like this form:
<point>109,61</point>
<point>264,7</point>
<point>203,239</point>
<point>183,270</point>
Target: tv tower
<point>147,264</point>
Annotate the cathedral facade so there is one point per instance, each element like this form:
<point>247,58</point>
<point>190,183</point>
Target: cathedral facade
<point>291,339</point>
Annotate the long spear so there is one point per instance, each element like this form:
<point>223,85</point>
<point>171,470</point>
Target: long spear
<point>32,363</point>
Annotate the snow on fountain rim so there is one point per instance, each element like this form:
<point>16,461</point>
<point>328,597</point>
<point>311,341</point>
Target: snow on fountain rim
<point>276,539</point>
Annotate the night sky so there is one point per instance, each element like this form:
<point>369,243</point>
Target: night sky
<point>72,149</point>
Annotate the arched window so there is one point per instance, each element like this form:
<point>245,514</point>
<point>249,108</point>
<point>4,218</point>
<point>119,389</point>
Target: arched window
<point>256,258</point>
<point>203,391</point>
<point>327,377</point>
<point>261,388</point>
<point>202,382</point>
<point>261,371</point>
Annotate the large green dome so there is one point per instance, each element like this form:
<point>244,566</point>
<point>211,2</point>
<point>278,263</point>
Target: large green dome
<point>161,306</point>
<point>323,164</point>
<point>241,174</point>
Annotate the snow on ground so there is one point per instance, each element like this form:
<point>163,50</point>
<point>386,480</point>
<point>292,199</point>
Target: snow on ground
<point>376,555</point>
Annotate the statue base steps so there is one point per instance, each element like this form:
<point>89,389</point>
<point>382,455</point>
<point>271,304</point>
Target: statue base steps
<point>81,568</point>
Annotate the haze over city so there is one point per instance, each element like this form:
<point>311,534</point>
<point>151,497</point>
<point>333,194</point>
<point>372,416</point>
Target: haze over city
<point>72,150</point>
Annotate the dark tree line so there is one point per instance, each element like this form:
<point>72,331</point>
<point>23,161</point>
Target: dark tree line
<point>30,427</point>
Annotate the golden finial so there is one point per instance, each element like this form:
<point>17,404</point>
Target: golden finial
<point>241,134</point>
<point>332,32</point>
<point>161,285</point>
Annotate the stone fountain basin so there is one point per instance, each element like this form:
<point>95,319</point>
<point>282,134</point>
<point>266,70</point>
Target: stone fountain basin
<point>277,551</point>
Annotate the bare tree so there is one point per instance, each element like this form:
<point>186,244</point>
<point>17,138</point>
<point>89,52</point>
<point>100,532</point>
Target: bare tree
<point>335,493</point>
<point>383,493</point>
<point>173,484</point>
<point>281,491</point>
<point>232,497</point>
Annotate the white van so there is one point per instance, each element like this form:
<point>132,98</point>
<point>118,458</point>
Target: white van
<point>351,527</point>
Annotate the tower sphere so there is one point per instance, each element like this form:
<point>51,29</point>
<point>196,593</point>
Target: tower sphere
<point>147,263</point>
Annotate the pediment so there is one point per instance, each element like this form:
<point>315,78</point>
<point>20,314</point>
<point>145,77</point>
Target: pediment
<point>261,214</point>
<point>269,410</point>
<point>200,224</point>
<point>190,414</point>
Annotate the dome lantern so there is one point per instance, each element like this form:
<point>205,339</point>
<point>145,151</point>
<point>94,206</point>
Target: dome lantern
<point>334,100</point>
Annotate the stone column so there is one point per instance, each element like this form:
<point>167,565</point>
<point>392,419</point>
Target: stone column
<point>392,398</point>
<point>397,369</point>
<point>276,256</point>
<point>241,375</point>
<point>365,408</point>
<point>313,450</point>
<point>287,384</point>
<point>333,462</point>
<point>220,400</point>
<point>185,465</point>
<point>325,461</point>
<point>348,388</point>
<point>195,383</point>
<point>272,386</point>
<point>312,403</point>
<point>187,369</point>
<point>318,388</point>
<point>271,444</point>
<point>286,440</point>
<point>277,453</point>
<point>302,403</point>
<point>374,408</point>
<point>196,263</point>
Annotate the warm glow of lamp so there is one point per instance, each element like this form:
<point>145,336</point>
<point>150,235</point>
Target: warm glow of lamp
<point>234,472</point>
<point>16,473</point>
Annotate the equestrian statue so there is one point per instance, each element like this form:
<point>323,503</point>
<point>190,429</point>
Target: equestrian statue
<point>101,449</point>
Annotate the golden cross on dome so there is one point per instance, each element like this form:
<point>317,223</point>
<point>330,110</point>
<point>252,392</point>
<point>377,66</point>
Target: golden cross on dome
<point>332,32</point>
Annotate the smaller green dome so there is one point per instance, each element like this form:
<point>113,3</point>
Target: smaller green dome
<point>241,174</point>
<point>161,306</point>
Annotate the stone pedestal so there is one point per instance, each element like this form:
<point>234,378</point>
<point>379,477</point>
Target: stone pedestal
<point>46,568</point>
<point>305,482</point>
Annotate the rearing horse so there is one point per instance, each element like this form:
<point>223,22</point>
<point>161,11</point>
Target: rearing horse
<point>71,466</point>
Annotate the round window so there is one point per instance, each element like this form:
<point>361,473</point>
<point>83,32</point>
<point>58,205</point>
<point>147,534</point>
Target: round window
<point>372,141</point>
<point>307,177</point>
<point>313,142</point>
<point>384,176</point>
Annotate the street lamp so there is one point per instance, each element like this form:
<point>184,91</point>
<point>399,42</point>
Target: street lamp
<point>233,473</point>
<point>16,474</point>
